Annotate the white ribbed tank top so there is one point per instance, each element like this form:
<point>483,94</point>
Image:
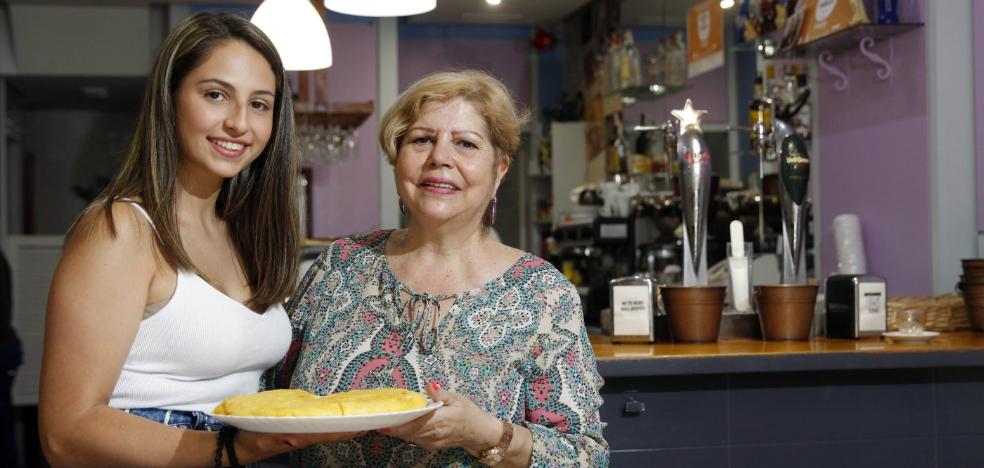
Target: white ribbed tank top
<point>199,349</point>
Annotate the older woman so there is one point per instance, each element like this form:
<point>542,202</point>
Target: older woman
<point>494,333</point>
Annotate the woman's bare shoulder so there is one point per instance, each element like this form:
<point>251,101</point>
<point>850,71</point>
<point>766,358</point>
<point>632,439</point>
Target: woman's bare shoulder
<point>128,231</point>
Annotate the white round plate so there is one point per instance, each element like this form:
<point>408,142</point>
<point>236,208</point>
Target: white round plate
<point>324,424</point>
<point>919,338</point>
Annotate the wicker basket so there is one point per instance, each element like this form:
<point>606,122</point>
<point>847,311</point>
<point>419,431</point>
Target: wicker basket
<point>945,312</point>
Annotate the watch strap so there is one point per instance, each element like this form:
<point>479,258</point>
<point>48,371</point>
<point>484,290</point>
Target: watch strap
<point>496,453</point>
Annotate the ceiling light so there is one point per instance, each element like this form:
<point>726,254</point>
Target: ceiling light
<point>725,4</point>
<point>298,32</point>
<point>493,2</point>
<point>381,7</point>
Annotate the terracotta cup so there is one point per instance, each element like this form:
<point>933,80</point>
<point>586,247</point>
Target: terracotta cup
<point>976,315</point>
<point>973,270</point>
<point>973,293</point>
<point>972,262</point>
<point>786,311</point>
<point>973,296</point>
<point>694,311</point>
<point>970,279</point>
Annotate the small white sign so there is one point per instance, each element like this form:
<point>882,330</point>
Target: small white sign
<point>614,231</point>
<point>871,307</point>
<point>632,310</point>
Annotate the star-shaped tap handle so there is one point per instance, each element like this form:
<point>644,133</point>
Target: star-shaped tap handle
<point>688,116</point>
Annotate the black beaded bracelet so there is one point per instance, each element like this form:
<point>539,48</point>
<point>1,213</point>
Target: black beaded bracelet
<point>229,434</point>
<point>218,448</point>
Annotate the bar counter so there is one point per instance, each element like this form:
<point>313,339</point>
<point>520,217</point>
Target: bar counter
<point>955,349</point>
<point>821,403</point>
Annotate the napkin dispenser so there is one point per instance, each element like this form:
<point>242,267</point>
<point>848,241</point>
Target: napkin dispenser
<point>632,309</point>
<point>855,306</point>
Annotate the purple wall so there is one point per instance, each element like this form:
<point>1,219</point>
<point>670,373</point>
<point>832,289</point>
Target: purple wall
<point>506,59</point>
<point>979,106</point>
<point>345,195</point>
<point>873,161</point>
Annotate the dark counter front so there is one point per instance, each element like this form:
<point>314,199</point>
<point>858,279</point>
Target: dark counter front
<point>822,403</point>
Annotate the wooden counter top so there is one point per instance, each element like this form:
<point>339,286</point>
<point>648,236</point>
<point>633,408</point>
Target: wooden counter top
<point>955,349</point>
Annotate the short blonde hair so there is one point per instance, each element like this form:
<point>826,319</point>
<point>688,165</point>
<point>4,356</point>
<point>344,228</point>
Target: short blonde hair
<point>490,98</point>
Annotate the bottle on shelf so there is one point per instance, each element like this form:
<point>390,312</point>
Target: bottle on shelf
<point>783,10</point>
<point>768,15</point>
<point>617,160</point>
<point>669,61</point>
<point>614,56</point>
<point>739,22</point>
<point>660,160</point>
<point>640,163</point>
<point>789,90</point>
<point>657,64</point>
<point>759,112</point>
<point>677,58</point>
<point>631,75</point>
<point>888,11</point>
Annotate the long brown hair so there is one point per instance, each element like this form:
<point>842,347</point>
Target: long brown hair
<point>257,204</point>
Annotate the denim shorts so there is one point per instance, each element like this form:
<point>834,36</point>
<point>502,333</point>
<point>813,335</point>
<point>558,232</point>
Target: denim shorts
<point>195,420</point>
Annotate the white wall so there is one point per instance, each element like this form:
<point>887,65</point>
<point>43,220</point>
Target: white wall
<point>82,40</point>
<point>950,91</point>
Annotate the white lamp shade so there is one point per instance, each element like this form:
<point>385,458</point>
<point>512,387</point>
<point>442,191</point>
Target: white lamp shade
<point>381,7</point>
<point>298,32</point>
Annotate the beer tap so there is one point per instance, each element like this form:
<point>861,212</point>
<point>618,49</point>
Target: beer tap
<point>794,177</point>
<point>695,184</point>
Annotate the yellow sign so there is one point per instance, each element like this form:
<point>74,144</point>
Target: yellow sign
<point>825,17</point>
<point>705,37</point>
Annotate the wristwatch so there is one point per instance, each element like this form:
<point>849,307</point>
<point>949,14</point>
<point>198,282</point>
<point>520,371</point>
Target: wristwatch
<point>495,454</point>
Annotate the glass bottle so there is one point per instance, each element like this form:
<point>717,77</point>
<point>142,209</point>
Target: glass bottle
<point>630,62</point>
<point>680,60</point>
<point>641,158</point>
<point>657,64</point>
<point>759,112</point>
<point>888,11</point>
<point>617,164</point>
<point>615,63</point>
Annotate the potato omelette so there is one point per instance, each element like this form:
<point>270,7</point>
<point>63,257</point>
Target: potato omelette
<point>296,402</point>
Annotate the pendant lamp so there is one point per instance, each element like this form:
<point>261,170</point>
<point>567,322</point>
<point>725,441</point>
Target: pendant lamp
<point>381,7</point>
<point>298,32</point>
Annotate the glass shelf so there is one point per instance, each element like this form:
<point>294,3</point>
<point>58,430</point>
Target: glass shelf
<point>342,114</point>
<point>647,92</point>
<point>849,38</point>
<point>843,39</point>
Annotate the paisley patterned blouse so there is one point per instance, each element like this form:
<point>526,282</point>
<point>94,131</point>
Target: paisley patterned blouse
<point>515,346</point>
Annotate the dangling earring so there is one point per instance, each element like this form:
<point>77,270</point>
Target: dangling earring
<point>492,215</point>
<point>403,208</point>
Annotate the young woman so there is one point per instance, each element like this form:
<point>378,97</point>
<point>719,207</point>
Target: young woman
<point>168,298</point>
